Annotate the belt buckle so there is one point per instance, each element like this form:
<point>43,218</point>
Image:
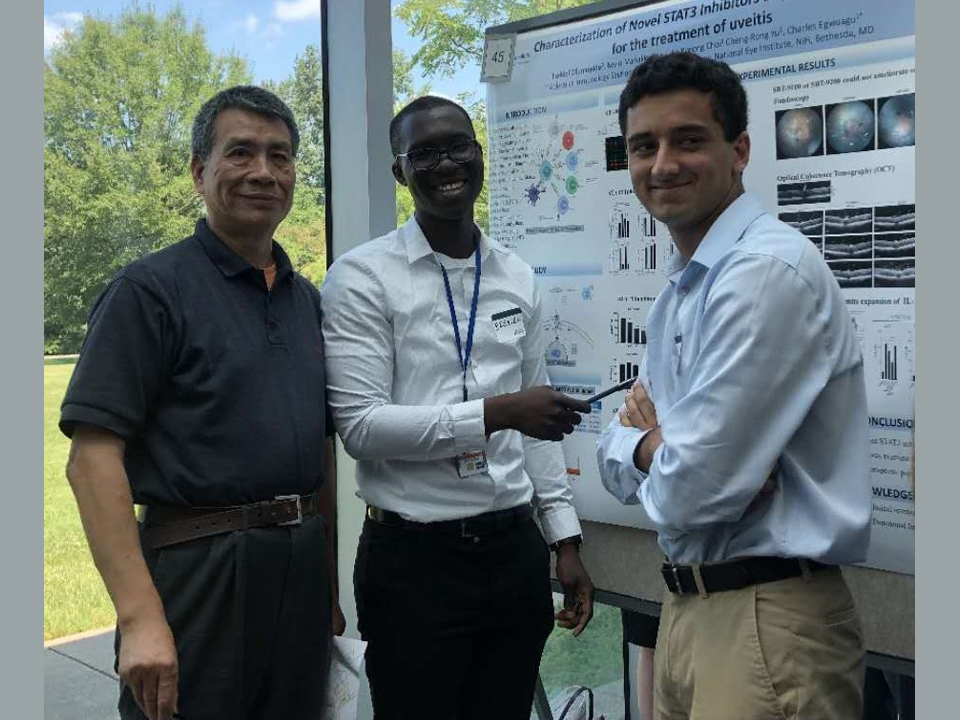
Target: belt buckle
<point>676,580</point>
<point>463,529</point>
<point>297,520</point>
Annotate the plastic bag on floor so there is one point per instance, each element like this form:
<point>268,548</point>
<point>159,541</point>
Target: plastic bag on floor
<point>573,703</point>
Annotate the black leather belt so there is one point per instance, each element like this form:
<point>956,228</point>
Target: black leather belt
<point>485,524</point>
<point>170,524</point>
<point>735,574</point>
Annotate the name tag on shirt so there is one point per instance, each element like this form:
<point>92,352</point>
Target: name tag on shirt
<point>508,325</point>
<point>471,463</point>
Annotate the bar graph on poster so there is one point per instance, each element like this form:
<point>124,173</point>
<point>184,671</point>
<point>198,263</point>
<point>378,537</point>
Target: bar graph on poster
<point>831,89</point>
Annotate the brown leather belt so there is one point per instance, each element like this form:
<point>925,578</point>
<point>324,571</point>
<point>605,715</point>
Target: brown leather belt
<point>170,524</point>
<point>735,574</point>
<point>485,524</point>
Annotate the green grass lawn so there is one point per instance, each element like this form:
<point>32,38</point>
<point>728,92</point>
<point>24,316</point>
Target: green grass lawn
<point>74,598</point>
<point>593,659</point>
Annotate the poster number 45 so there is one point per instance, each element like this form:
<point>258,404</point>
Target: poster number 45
<point>497,59</point>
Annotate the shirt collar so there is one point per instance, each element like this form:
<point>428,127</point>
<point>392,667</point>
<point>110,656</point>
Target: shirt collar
<point>725,232</point>
<point>417,246</point>
<point>227,261</point>
<point>727,229</point>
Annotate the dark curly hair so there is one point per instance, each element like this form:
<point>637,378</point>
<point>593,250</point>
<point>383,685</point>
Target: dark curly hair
<point>687,70</point>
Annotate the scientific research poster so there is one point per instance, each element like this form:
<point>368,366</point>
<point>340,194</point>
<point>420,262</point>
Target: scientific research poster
<point>831,92</point>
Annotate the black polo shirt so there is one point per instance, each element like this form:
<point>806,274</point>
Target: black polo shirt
<point>215,383</point>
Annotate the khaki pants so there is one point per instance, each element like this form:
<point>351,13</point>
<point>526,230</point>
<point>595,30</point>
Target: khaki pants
<point>786,649</point>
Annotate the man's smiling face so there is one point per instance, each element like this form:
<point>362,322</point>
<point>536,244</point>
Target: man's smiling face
<point>247,182</point>
<point>682,168</point>
<point>449,189</point>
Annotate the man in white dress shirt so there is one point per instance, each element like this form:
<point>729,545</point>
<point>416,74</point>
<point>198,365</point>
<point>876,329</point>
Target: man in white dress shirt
<point>438,387</point>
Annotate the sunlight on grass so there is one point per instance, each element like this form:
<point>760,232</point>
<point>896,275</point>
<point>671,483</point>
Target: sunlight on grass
<point>74,598</point>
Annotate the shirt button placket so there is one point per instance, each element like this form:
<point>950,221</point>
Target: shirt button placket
<point>273,325</point>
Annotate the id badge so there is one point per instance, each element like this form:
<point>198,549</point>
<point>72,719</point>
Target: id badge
<point>471,463</point>
<point>508,325</point>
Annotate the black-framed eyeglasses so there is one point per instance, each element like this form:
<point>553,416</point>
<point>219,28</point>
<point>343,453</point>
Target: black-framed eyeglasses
<point>462,151</point>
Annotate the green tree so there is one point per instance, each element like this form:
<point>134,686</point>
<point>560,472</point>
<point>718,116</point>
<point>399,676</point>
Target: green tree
<point>119,98</point>
<point>451,31</point>
<point>478,114</point>
<point>303,92</point>
<point>403,87</point>
<point>303,233</point>
<point>404,91</point>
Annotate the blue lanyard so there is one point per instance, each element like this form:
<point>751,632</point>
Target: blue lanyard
<point>464,357</point>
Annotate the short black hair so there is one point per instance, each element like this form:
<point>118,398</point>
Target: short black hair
<point>244,97</point>
<point>689,71</point>
<point>424,102</point>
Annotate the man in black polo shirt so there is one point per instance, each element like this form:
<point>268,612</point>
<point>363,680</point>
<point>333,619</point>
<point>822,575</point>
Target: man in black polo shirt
<point>199,394</point>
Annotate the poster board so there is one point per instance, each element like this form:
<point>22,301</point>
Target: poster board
<point>831,89</point>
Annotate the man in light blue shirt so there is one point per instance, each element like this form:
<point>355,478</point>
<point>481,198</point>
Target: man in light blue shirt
<point>746,437</point>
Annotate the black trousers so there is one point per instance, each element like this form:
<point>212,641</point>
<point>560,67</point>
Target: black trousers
<point>455,626</point>
<point>250,615</point>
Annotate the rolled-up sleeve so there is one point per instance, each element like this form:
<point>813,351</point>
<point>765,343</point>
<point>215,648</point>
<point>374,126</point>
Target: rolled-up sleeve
<point>615,449</point>
<point>359,349</point>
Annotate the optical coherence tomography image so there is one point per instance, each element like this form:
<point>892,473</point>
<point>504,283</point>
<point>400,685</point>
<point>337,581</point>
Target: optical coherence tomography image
<point>896,121</point>
<point>799,132</point>
<point>895,273</point>
<point>841,221</point>
<point>895,217</point>
<point>809,223</point>
<point>848,247</point>
<point>860,258</point>
<point>850,126</point>
<point>855,274</point>
<point>815,191</point>
<point>895,231</point>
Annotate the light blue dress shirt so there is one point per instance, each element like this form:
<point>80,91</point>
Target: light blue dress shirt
<point>752,360</point>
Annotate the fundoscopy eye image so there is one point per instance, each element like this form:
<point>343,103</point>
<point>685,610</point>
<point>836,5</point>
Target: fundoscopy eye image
<point>799,132</point>
<point>850,126</point>
<point>896,121</point>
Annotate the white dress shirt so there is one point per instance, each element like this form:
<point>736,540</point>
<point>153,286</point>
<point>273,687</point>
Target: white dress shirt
<point>752,362</point>
<point>395,383</point>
